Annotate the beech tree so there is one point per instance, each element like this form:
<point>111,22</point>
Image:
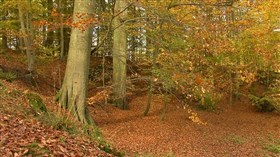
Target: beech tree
<point>73,93</point>
<point>119,55</point>
<point>27,31</point>
<point>4,37</point>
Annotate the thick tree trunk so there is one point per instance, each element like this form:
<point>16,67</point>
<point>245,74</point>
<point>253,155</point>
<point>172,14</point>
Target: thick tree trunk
<point>119,57</point>
<point>74,89</point>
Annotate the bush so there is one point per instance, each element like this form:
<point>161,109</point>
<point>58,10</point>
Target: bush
<point>207,102</point>
<point>262,104</point>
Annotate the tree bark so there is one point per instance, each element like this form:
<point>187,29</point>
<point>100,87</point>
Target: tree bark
<point>27,32</point>
<point>4,42</point>
<point>4,36</point>
<point>119,56</point>
<point>62,53</point>
<point>73,93</point>
<point>50,33</point>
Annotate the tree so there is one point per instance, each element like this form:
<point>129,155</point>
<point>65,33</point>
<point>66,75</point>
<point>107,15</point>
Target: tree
<point>50,33</point>
<point>73,93</point>
<point>119,55</point>
<point>4,37</point>
<point>27,32</point>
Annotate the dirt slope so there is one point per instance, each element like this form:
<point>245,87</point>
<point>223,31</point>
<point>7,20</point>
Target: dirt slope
<point>22,135</point>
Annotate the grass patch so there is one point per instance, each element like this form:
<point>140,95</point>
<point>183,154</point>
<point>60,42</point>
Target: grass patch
<point>275,148</point>
<point>8,76</point>
<point>236,139</point>
<point>58,122</point>
<point>273,145</point>
<point>35,149</point>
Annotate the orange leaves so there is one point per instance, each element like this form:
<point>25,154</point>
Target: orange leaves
<point>41,23</point>
<point>99,97</point>
<point>82,21</point>
<point>83,24</point>
<point>55,13</point>
<point>198,80</point>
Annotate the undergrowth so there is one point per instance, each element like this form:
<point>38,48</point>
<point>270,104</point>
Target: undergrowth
<point>34,149</point>
<point>273,145</point>
<point>8,76</point>
<point>236,139</point>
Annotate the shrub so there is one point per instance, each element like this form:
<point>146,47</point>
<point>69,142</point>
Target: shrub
<point>262,104</point>
<point>267,101</point>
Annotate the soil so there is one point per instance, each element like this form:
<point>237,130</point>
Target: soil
<point>235,130</point>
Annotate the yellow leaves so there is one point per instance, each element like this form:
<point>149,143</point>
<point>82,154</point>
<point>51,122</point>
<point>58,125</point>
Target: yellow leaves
<point>248,77</point>
<point>54,13</point>
<point>194,117</point>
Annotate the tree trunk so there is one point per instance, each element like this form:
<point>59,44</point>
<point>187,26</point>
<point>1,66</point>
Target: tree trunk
<point>26,30</point>
<point>62,53</point>
<point>4,42</point>
<point>4,36</point>
<point>50,33</point>
<point>73,93</point>
<point>66,40</point>
<point>119,57</point>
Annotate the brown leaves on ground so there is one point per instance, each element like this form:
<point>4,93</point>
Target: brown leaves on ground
<point>22,135</point>
<point>231,131</point>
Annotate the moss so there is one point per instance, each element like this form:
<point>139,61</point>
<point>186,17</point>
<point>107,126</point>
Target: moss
<point>36,103</point>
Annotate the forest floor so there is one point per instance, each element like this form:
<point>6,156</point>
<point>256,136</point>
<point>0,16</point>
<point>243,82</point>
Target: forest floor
<point>235,130</point>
